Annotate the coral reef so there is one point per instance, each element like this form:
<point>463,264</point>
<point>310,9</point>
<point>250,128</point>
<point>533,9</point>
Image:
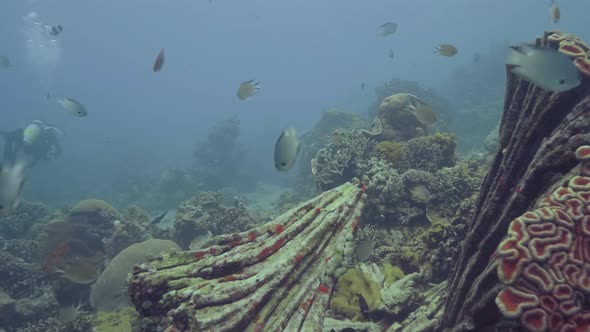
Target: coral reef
<point>391,151</point>
<point>107,293</point>
<point>337,163</point>
<point>19,268</point>
<point>20,220</point>
<point>429,153</point>
<point>205,213</point>
<point>117,321</point>
<point>96,213</point>
<point>73,248</point>
<point>321,134</point>
<point>543,262</point>
<point>133,228</point>
<point>277,276</point>
<point>540,132</point>
<point>396,121</point>
<point>345,299</point>
<point>430,96</point>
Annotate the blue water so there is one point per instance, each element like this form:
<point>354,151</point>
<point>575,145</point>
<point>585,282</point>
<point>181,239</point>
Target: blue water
<point>309,56</point>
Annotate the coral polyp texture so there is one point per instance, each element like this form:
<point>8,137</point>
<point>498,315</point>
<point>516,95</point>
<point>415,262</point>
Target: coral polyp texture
<point>279,276</point>
<point>525,260</point>
<point>545,261</point>
<point>572,46</point>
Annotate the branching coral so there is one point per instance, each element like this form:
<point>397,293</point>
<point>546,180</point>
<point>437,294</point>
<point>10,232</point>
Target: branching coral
<point>390,150</point>
<point>17,223</point>
<point>337,163</point>
<point>429,153</point>
<point>19,268</point>
<point>204,213</point>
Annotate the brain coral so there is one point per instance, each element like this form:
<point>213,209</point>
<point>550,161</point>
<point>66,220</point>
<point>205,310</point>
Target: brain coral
<point>544,263</point>
<point>106,294</point>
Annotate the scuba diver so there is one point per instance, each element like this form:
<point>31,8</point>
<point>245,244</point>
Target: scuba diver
<point>37,141</point>
<point>56,30</point>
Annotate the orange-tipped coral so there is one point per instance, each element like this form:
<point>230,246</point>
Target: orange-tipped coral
<point>583,65</point>
<point>571,49</point>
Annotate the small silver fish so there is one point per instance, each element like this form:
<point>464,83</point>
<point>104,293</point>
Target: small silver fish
<point>387,29</point>
<point>422,111</point>
<point>12,179</point>
<point>248,89</point>
<point>554,12</point>
<point>73,107</point>
<point>4,62</point>
<point>545,67</point>
<point>364,249</point>
<point>286,149</point>
<point>391,54</point>
<point>159,62</point>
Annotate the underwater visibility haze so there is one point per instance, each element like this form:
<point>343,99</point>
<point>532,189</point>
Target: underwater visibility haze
<point>218,165</point>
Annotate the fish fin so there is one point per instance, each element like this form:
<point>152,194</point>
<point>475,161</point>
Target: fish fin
<point>515,56</point>
<point>409,105</point>
<point>527,49</point>
<point>520,72</point>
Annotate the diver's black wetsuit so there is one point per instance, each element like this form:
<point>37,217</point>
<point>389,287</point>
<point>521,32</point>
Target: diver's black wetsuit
<point>13,142</point>
<point>46,147</point>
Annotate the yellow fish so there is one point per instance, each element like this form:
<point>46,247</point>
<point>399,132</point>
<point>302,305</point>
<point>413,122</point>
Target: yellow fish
<point>248,89</point>
<point>420,193</point>
<point>446,50</point>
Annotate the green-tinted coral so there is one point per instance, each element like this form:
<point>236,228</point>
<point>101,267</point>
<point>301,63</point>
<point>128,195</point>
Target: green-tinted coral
<point>392,273</point>
<point>447,142</point>
<point>345,300</point>
<point>428,153</point>
<point>391,151</point>
<point>411,258</point>
<point>115,321</point>
<point>92,205</point>
<point>434,234</point>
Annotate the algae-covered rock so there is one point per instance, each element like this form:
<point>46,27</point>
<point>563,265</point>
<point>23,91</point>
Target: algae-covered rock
<point>398,123</point>
<point>392,273</point>
<point>107,294</point>
<point>346,301</point>
<point>92,205</point>
<point>116,321</point>
<point>391,151</point>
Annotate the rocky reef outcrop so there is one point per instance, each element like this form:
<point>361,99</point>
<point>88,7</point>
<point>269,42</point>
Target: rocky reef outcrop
<point>524,262</point>
<point>276,276</point>
<point>205,213</point>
